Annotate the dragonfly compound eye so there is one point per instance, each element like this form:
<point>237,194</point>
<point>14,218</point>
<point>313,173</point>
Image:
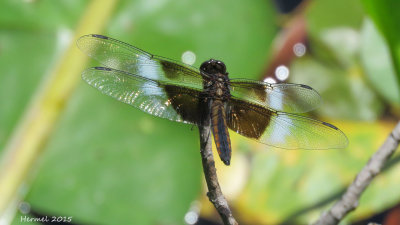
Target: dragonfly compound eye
<point>213,66</point>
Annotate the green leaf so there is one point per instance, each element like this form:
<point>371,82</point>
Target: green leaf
<point>376,59</point>
<point>327,31</point>
<point>333,68</point>
<point>106,162</point>
<point>240,33</point>
<point>24,58</point>
<point>40,15</point>
<point>341,89</point>
<point>386,17</point>
<point>109,163</point>
<point>323,15</point>
<point>295,187</point>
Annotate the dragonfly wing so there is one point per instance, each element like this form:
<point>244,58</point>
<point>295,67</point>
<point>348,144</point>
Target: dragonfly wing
<point>176,103</point>
<point>282,130</point>
<point>295,98</point>
<point>125,57</point>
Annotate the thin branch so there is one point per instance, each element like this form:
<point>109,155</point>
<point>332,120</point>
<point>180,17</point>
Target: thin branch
<point>349,200</point>
<point>214,191</point>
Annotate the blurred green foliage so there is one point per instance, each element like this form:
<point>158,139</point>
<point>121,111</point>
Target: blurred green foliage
<point>334,68</point>
<point>24,59</point>
<point>108,163</point>
<point>115,163</point>
<point>350,65</point>
<point>385,15</point>
<point>31,35</point>
<point>379,69</point>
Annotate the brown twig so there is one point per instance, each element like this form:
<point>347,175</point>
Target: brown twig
<point>210,173</point>
<point>349,200</point>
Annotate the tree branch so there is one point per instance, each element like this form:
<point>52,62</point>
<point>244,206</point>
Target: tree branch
<point>349,200</point>
<point>214,191</point>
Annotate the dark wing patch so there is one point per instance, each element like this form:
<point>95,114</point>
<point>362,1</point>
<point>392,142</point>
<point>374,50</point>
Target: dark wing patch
<point>282,130</point>
<point>247,121</point>
<point>185,102</point>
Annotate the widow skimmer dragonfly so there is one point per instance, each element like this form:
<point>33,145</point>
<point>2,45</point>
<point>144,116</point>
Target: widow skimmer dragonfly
<point>181,93</point>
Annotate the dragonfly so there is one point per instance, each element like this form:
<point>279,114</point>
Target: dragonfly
<point>265,112</point>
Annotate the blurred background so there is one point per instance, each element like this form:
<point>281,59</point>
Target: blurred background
<point>69,151</point>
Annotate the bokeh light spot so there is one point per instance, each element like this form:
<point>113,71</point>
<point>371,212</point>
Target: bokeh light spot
<point>189,57</point>
<point>24,207</point>
<point>282,72</point>
<point>299,49</point>
<point>191,217</point>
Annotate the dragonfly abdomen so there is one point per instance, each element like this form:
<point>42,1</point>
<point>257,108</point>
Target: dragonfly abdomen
<point>220,131</point>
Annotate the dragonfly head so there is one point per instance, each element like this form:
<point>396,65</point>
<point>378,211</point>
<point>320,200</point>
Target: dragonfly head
<point>212,67</point>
